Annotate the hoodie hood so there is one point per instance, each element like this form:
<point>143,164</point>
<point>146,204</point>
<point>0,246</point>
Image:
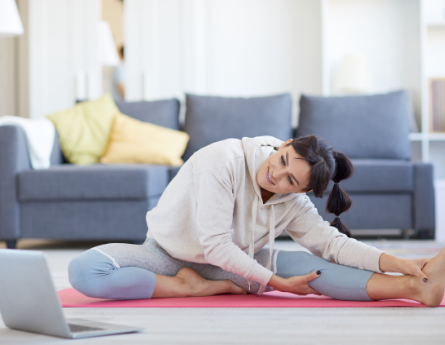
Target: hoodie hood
<point>256,151</point>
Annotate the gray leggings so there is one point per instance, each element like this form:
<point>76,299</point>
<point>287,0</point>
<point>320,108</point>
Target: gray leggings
<point>127,271</point>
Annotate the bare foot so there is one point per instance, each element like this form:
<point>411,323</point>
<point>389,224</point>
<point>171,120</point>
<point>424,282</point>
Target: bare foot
<point>198,286</point>
<point>431,293</point>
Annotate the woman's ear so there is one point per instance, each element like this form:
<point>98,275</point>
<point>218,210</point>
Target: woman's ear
<point>285,144</point>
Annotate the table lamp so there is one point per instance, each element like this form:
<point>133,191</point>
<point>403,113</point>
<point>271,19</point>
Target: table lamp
<point>10,23</point>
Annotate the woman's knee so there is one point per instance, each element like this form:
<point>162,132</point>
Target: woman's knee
<point>298,263</point>
<point>86,270</point>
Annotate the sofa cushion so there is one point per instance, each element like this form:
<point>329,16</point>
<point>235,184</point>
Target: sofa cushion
<point>379,175</point>
<point>172,172</point>
<point>375,126</point>
<point>80,220</point>
<point>209,119</point>
<point>69,182</point>
<point>163,113</point>
<point>84,129</point>
<point>373,211</point>
<point>134,141</point>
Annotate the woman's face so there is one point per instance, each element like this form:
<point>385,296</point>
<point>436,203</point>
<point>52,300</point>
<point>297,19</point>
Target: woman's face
<point>284,172</point>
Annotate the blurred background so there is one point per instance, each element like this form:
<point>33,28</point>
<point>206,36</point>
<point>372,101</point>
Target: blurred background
<point>71,50</point>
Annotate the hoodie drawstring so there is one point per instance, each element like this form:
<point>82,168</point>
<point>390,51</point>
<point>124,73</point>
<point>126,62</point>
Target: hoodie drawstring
<point>271,237</point>
<point>271,243</point>
<point>252,240</point>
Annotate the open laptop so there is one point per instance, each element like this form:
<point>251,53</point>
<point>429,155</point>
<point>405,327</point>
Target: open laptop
<point>29,301</point>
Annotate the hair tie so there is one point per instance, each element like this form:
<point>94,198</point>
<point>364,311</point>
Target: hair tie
<point>337,217</point>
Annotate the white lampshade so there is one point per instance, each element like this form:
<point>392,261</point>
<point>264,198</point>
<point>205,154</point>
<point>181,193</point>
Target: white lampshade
<point>352,74</point>
<point>10,23</point>
<point>108,51</point>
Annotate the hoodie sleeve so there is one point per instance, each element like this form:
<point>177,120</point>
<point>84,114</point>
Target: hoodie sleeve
<point>215,205</point>
<point>310,230</point>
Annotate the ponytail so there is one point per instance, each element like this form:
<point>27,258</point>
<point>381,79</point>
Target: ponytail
<point>326,165</point>
<point>339,201</point>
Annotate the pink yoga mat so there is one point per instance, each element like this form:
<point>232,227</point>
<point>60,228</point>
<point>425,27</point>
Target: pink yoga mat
<point>70,298</point>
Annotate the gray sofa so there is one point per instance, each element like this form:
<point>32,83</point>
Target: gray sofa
<point>109,202</point>
<point>389,191</point>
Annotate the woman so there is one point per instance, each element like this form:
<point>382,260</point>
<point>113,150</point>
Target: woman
<point>227,202</point>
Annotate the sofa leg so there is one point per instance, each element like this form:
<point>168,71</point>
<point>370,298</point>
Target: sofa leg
<point>11,244</point>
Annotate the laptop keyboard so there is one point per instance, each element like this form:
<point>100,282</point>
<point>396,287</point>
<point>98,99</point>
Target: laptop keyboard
<point>79,328</point>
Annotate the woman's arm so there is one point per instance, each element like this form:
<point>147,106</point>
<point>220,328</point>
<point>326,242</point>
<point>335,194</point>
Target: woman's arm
<point>310,230</point>
<point>390,263</point>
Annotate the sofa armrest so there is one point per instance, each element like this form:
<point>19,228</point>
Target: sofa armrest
<point>424,211</point>
<point>56,154</point>
<point>14,158</point>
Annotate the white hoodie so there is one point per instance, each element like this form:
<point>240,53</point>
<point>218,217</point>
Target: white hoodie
<point>212,212</point>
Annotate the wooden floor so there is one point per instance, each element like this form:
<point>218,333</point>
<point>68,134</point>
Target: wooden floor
<point>249,326</point>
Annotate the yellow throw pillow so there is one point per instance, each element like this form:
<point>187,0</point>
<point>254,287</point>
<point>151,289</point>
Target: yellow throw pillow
<point>134,141</point>
<point>84,129</point>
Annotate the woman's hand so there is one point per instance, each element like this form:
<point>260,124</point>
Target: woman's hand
<point>414,267</point>
<point>389,263</point>
<point>298,285</point>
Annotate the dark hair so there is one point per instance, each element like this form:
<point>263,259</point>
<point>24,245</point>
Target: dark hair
<point>326,165</point>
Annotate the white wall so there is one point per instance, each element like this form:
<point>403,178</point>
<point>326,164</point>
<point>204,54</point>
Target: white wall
<point>153,55</point>
<point>387,33</point>
<point>222,47</point>
<point>60,42</point>
<point>263,47</point>
<point>219,47</point>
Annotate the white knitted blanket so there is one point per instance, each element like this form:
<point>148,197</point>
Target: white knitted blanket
<point>39,136</point>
